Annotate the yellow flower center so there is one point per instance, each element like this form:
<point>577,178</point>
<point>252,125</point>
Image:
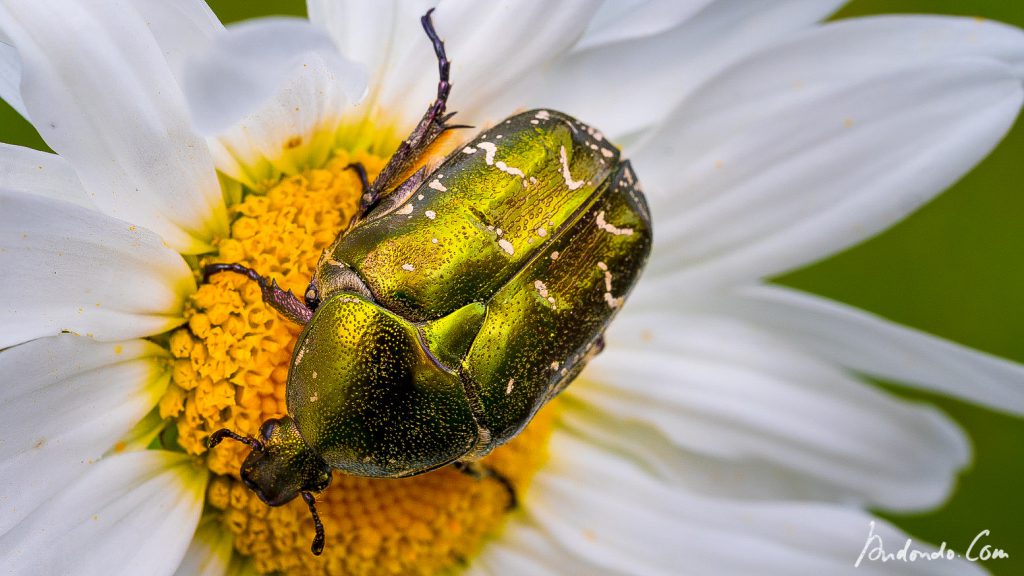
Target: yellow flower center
<point>230,369</point>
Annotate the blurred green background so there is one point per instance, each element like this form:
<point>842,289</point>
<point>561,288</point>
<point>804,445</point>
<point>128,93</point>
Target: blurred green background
<point>955,268</point>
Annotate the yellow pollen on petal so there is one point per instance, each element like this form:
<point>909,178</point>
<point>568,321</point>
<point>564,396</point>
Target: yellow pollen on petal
<point>230,368</point>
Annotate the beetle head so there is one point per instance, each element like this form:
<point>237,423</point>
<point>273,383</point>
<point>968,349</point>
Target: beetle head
<point>280,466</point>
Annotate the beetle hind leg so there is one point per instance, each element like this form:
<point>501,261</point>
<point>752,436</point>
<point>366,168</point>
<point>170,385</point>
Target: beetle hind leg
<point>479,471</point>
<point>278,298</point>
<point>430,126</point>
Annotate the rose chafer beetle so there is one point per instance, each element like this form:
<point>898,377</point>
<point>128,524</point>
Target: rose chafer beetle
<point>457,302</point>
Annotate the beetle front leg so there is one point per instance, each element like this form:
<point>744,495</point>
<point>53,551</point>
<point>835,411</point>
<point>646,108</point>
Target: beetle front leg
<point>278,298</point>
<point>479,471</point>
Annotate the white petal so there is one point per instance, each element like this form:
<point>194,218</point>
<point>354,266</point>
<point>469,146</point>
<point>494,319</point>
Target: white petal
<point>629,19</point>
<point>273,91</point>
<point>99,90</point>
<point>632,84</point>
<point>738,478</point>
<point>492,46</point>
<point>368,33</point>
<point>10,78</point>
<point>66,400</point>
<point>874,346</point>
<point>726,390</point>
<point>27,170</point>
<point>523,548</point>
<point>824,141</point>
<point>604,512</point>
<point>133,513</point>
<point>210,552</point>
<point>141,435</point>
<point>73,269</point>
<point>181,28</point>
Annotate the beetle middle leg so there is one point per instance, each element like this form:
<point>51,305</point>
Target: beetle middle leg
<point>278,298</point>
<point>366,198</point>
<point>479,471</point>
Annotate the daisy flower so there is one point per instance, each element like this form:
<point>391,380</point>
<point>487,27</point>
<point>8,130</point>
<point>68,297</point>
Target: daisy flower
<point>727,427</point>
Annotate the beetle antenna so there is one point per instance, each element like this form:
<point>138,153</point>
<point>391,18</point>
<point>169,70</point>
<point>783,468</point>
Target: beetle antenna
<point>318,541</point>
<point>218,436</point>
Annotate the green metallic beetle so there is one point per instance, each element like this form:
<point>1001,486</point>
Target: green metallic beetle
<point>455,305</point>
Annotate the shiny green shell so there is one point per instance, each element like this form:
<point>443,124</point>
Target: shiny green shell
<point>450,318</point>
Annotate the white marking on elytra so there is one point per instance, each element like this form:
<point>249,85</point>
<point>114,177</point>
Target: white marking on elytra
<point>433,240</point>
<point>430,214</point>
<point>542,114</point>
<point>407,209</point>
<point>554,255</point>
<point>491,149</point>
<point>469,150</point>
<point>498,231</point>
<point>314,397</point>
<point>607,153</point>
<point>612,301</point>
<point>541,288</point>
<point>436,185</point>
<point>534,121</point>
<point>298,357</point>
<point>609,228</point>
<point>408,267</point>
<point>542,232</point>
<point>419,197</point>
<point>509,169</point>
<point>508,387</point>
<point>572,184</point>
<point>607,276</point>
<point>314,374</point>
<point>554,365</point>
<point>506,246</point>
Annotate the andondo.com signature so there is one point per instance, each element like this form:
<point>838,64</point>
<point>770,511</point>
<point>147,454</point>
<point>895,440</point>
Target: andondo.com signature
<point>874,550</point>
